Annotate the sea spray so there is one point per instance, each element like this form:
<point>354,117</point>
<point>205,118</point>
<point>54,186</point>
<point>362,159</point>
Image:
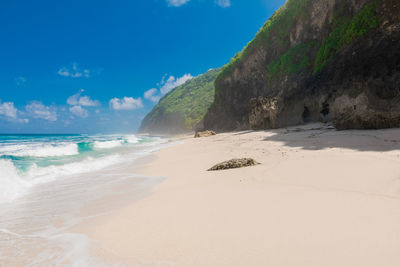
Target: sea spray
<point>11,184</point>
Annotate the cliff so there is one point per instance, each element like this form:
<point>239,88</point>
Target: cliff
<point>183,108</point>
<point>315,60</point>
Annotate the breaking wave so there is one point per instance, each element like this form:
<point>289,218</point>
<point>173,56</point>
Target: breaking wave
<point>36,159</point>
<point>45,150</point>
<point>108,144</point>
<point>11,183</point>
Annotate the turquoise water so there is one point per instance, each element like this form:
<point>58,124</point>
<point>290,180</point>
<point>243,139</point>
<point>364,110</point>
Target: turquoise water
<point>49,184</point>
<point>26,160</point>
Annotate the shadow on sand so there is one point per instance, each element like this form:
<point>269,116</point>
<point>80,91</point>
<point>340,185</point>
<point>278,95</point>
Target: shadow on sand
<point>320,136</point>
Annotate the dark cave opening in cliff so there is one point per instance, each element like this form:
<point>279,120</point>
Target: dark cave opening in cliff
<point>306,115</point>
<point>325,109</point>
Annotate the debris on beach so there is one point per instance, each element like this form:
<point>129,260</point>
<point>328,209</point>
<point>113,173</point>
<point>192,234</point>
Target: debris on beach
<point>204,134</point>
<point>234,163</point>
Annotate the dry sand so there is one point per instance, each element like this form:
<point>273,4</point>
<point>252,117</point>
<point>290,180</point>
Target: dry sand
<point>319,198</point>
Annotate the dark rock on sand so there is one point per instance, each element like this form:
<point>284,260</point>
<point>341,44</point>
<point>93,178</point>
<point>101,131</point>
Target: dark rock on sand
<point>204,134</point>
<point>234,163</point>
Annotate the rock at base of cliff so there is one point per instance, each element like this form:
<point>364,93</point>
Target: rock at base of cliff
<point>204,134</point>
<point>263,112</point>
<point>234,163</point>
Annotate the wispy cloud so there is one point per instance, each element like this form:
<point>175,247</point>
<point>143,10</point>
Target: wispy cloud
<point>152,95</point>
<point>176,3</point>
<point>37,110</point>
<point>78,99</point>
<point>223,3</point>
<point>20,81</point>
<point>10,112</point>
<point>79,111</point>
<point>166,86</point>
<point>126,103</point>
<point>74,71</point>
<point>173,82</point>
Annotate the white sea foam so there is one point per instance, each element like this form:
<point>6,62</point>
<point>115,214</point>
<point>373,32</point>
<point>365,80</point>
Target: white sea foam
<point>14,183</point>
<point>51,172</point>
<point>11,183</point>
<point>108,144</point>
<point>132,139</point>
<point>5,149</point>
<point>44,150</point>
<point>34,235</point>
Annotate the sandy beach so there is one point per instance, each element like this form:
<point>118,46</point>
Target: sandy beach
<point>320,197</point>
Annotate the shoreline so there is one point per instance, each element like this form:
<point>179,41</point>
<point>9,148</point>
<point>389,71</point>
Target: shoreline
<point>319,198</point>
<point>39,227</point>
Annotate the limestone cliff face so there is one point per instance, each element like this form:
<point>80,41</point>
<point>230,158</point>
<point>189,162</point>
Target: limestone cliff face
<point>315,60</point>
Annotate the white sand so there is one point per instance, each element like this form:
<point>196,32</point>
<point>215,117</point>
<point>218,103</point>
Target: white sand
<point>319,198</point>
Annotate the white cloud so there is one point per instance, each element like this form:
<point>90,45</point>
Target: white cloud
<point>78,100</point>
<point>126,103</point>
<point>79,111</point>
<point>152,95</point>
<point>10,112</point>
<point>74,71</point>
<point>39,111</point>
<point>177,2</point>
<point>223,3</point>
<point>173,82</point>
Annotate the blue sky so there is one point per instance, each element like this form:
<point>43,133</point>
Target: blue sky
<point>99,66</point>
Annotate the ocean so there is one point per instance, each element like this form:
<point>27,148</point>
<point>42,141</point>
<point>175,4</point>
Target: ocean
<point>51,183</point>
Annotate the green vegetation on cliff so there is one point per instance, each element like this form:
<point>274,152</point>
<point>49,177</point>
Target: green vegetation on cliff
<point>293,61</point>
<point>345,30</point>
<point>305,58</point>
<point>184,107</point>
<point>278,25</point>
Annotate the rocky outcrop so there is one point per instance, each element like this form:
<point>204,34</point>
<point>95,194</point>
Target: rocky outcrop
<point>315,60</point>
<point>263,112</point>
<point>204,134</point>
<point>234,163</point>
<point>363,112</point>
